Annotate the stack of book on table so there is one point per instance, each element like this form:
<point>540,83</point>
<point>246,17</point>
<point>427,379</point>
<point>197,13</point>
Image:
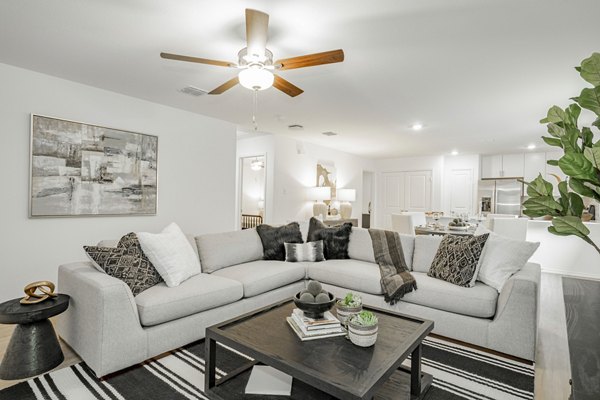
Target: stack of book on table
<point>310,328</point>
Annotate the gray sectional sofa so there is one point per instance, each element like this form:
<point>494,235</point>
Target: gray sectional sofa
<point>111,329</point>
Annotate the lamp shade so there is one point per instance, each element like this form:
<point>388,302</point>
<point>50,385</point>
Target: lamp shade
<point>346,195</point>
<point>319,193</point>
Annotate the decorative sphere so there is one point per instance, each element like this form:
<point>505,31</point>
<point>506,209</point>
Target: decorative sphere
<point>314,287</point>
<point>307,298</point>
<point>322,298</point>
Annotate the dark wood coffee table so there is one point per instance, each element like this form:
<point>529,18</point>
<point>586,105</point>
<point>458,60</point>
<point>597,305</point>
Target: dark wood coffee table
<point>325,368</point>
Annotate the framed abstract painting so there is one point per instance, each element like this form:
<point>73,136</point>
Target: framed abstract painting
<point>79,169</point>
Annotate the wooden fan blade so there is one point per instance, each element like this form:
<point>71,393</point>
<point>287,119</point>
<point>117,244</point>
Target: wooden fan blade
<point>226,86</point>
<point>286,87</point>
<point>310,60</point>
<point>257,25</point>
<point>178,57</point>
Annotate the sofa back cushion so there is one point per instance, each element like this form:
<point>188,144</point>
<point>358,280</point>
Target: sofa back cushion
<point>426,247</point>
<point>360,246</point>
<point>115,242</point>
<point>220,250</point>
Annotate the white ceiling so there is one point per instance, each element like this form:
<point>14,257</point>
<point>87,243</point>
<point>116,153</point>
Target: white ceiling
<point>478,73</point>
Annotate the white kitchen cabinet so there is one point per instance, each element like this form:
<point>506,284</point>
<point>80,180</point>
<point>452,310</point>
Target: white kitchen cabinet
<point>491,166</point>
<point>502,166</point>
<point>534,164</point>
<point>512,165</point>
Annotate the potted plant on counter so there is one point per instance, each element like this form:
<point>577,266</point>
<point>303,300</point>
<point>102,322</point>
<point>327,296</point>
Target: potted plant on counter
<point>351,304</point>
<point>362,329</point>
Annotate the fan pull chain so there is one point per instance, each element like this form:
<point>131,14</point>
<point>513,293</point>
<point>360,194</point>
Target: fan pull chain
<point>254,109</point>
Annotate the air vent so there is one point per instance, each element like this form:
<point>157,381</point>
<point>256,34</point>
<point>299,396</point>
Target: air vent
<point>329,133</point>
<point>295,127</point>
<point>193,91</point>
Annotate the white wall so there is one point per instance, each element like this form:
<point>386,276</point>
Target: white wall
<point>292,167</point>
<point>196,167</point>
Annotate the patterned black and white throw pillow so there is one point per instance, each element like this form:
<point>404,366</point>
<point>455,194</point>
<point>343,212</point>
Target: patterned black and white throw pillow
<point>456,259</point>
<point>335,238</point>
<point>310,251</point>
<point>126,262</point>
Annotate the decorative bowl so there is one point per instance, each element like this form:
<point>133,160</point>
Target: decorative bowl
<point>458,228</point>
<point>363,336</point>
<point>314,310</point>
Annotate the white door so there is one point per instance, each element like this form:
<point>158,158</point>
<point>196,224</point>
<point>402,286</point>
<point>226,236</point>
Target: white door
<point>461,191</point>
<point>392,196</point>
<point>512,165</point>
<point>404,191</point>
<point>418,191</point>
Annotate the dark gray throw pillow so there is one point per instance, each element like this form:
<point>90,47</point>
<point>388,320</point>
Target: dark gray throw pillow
<point>274,237</point>
<point>126,262</point>
<point>335,238</point>
<point>310,251</point>
<point>456,259</point>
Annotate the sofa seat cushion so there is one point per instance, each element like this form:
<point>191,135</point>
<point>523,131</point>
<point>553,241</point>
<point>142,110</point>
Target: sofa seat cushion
<point>351,274</point>
<point>477,301</point>
<point>263,275</point>
<point>199,293</point>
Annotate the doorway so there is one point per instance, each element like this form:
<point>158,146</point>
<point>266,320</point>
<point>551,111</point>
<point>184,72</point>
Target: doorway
<point>368,199</point>
<point>253,186</point>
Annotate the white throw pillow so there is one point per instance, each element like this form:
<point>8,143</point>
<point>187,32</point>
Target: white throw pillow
<point>426,247</point>
<point>171,254</point>
<point>501,258</point>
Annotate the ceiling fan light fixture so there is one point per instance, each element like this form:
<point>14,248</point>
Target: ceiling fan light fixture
<point>255,77</point>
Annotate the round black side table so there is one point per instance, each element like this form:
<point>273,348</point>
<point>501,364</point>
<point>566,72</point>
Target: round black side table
<point>33,348</point>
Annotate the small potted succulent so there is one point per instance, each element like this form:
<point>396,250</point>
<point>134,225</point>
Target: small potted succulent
<point>362,329</point>
<point>351,304</point>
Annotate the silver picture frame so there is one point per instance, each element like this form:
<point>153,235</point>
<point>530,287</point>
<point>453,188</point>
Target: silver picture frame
<point>78,169</point>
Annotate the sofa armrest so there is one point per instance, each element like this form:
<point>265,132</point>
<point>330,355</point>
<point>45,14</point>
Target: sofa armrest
<point>514,327</point>
<point>102,323</point>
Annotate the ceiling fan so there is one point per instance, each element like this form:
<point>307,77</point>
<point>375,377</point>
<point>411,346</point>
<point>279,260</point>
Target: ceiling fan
<point>255,61</point>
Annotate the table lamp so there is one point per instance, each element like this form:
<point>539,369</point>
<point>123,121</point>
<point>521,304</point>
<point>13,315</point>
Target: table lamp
<point>345,196</point>
<point>319,194</point>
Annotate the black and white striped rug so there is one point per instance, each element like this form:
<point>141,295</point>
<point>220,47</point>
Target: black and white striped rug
<point>459,373</point>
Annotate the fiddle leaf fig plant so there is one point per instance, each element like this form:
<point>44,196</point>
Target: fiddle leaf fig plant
<point>580,161</point>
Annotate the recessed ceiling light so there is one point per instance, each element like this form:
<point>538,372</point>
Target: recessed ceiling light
<point>531,146</point>
<point>417,126</point>
<point>454,152</point>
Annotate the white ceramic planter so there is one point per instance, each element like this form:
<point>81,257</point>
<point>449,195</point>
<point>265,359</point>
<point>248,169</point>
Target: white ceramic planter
<point>343,312</point>
<point>363,336</point>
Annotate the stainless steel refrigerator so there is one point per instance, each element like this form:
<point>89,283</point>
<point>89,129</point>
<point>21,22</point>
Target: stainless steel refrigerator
<point>500,196</point>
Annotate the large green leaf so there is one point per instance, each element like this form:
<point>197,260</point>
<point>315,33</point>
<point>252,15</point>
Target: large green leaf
<point>572,114</point>
<point>563,188</point>
<point>539,187</point>
<point>587,136</point>
<point>570,139</point>
<point>590,99</point>
<point>555,115</point>
<point>596,123</point>
<point>575,204</point>
<point>590,69</point>
<point>593,155</point>
<point>570,225</point>
<point>552,141</point>
<point>577,166</point>
<point>579,187</point>
<point>552,162</point>
<point>545,204</point>
<point>555,130</point>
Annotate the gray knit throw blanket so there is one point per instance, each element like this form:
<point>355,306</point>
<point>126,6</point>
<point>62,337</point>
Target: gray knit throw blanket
<point>396,280</point>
